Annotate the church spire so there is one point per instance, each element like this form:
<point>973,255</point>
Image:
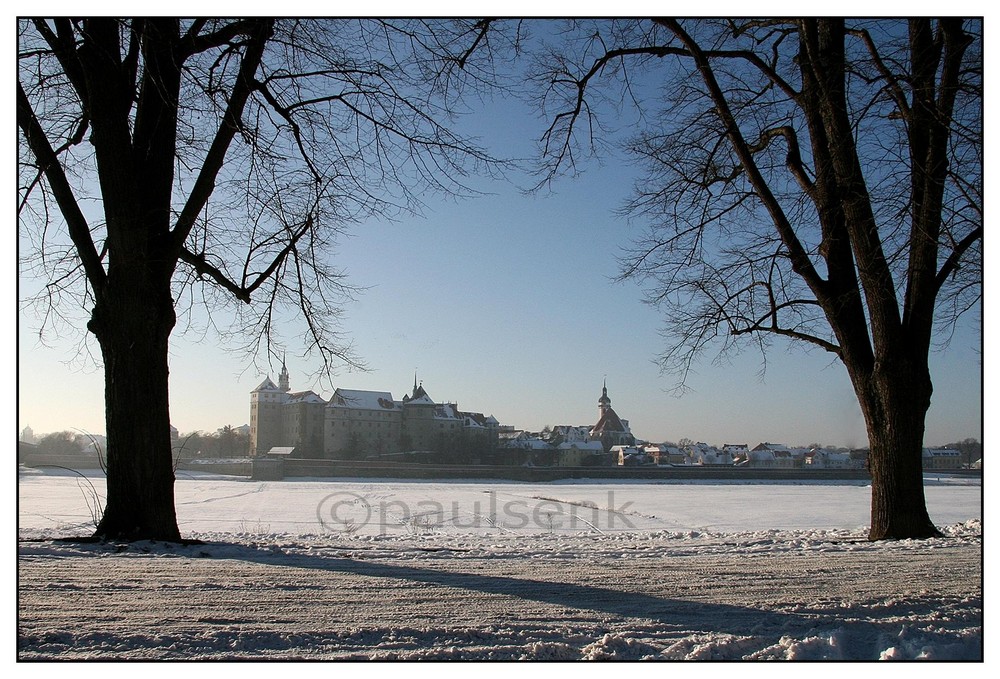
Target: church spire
<point>604,402</point>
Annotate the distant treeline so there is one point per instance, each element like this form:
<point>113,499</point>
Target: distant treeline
<point>226,442</point>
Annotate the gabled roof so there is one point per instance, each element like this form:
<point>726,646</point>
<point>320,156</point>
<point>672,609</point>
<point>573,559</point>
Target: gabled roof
<point>571,432</point>
<point>774,448</point>
<point>478,419</point>
<point>609,422</point>
<point>266,385</point>
<point>362,400</point>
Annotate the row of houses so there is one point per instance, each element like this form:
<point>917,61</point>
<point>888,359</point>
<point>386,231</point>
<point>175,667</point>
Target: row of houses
<point>576,446</point>
<point>770,455</point>
<point>564,446</point>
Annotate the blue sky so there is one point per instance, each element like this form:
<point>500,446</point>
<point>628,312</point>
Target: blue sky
<point>504,303</point>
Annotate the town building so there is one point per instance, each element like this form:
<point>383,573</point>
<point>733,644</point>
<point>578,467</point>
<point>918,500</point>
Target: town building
<point>777,455</point>
<point>703,454</point>
<point>665,454</point>
<point>740,452</point>
<point>941,458</point>
<point>821,458</point>
<point>28,436</point>
<point>628,456</point>
<point>579,453</point>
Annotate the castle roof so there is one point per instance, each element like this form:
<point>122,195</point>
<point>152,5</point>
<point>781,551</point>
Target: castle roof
<point>445,411</point>
<point>266,385</point>
<point>479,419</point>
<point>362,400</point>
<point>305,397</point>
<point>419,395</point>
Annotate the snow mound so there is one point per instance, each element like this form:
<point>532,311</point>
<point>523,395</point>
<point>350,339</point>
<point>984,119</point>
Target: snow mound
<point>913,644</point>
<point>619,647</point>
<point>825,647</point>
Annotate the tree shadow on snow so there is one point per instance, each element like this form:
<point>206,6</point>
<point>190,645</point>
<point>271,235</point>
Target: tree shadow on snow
<point>676,613</point>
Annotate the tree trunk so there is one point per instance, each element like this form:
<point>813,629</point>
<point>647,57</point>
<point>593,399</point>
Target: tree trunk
<point>133,327</point>
<point>895,402</point>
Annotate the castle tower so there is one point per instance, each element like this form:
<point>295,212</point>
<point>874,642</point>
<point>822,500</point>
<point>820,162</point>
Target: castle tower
<point>266,403</point>
<point>283,377</point>
<point>419,431</point>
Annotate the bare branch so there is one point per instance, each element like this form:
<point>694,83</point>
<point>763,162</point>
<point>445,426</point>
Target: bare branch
<point>231,122</point>
<point>49,165</point>
<point>952,262</point>
<point>483,25</point>
<point>800,259</point>
<point>793,159</point>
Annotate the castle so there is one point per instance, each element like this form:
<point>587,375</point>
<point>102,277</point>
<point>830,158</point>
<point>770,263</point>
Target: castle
<point>356,423</point>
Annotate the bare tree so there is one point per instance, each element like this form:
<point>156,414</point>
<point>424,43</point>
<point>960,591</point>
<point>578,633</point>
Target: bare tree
<point>61,443</point>
<point>818,180</point>
<point>171,169</point>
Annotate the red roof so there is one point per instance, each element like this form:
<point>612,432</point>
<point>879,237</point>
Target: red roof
<point>609,422</point>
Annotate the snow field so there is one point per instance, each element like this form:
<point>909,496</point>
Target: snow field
<point>446,570</point>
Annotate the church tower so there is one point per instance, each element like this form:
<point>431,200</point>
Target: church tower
<point>610,429</point>
<point>604,403</point>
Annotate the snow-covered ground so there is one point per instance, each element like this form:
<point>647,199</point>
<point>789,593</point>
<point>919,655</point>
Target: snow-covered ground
<point>319,568</point>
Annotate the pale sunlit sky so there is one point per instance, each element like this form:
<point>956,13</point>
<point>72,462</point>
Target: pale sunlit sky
<point>504,304</point>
